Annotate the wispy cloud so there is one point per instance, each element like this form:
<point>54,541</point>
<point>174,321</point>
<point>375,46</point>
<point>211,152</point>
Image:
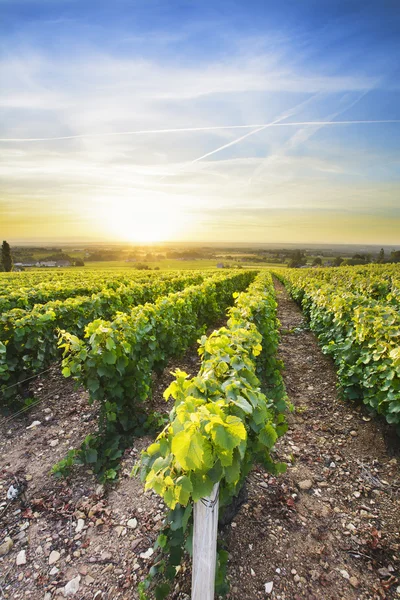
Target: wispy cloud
<point>250,121</point>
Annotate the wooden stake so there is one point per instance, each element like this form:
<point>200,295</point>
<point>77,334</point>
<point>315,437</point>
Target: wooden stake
<point>205,527</point>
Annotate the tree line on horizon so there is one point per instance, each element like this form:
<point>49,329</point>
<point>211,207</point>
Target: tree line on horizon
<point>299,259</point>
<point>7,262</point>
<point>293,258</point>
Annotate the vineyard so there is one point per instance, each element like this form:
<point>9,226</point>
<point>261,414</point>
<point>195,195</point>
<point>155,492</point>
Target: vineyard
<point>130,399</point>
<point>355,315</point>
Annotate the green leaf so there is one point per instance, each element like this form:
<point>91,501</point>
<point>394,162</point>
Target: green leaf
<point>243,404</point>
<point>169,497</point>
<point>232,472</point>
<point>162,591</point>
<point>186,516</point>
<point>110,358</point>
<point>227,435</point>
<point>110,475</point>
<point>202,486</point>
<point>188,447</point>
<point>93,385</point>
<point>237,363</point>
<point>162,540</point>
<point>183,489</point>
<point>110,344</point>
<point>268,436</point>
<point>91,455</point>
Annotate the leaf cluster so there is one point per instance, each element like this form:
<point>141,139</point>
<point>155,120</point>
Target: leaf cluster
<point>222,422</point>
<point>355,314</point>
<point>30,336</point>
<point>116,359</point>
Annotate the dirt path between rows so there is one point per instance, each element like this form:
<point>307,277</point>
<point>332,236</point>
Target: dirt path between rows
<point>329,527</point>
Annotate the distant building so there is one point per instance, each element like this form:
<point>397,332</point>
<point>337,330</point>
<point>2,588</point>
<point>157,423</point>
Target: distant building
<point>46,263</point>
<point>220,265</point>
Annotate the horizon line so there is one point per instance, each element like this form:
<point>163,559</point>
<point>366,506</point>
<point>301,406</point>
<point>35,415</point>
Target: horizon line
<point>231,243</point>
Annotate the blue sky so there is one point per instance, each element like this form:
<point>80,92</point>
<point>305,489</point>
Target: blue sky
<point>97,69</point>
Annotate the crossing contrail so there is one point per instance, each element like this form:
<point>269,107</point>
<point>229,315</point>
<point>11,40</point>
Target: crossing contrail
<point>305,133</point>
<point>232,143</point>
<point>259,126</point>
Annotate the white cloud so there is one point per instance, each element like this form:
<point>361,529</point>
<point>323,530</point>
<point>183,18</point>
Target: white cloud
<point>93,92</point>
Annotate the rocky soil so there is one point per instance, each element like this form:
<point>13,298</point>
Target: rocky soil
<point>326,529</point>
<point>329,527</point>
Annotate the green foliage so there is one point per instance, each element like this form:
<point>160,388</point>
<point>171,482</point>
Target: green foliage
<point>297,259</point>
<point>221,423</point>
<point>64,467</point>
<point>355,314</point>
<point>221,584</point>
<point>116,360</point>
<point>30,337</point>
<point>381,256</point>
<point>6,258</point>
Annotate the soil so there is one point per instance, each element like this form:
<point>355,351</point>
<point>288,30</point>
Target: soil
<point>329,527</point>
<point>326,529</point>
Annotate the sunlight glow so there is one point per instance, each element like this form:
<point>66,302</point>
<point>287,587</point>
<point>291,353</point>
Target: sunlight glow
<point>123,219</point>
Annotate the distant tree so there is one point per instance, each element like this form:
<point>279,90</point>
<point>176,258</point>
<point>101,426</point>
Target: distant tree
<point>298,259</point>
<point>351,262</point>
<point>317,262</point>
<point>78,262</point>
<point>359,259</point>
<point>381,256</point>
<point>395,256</point>
<point>6,258</point>
<point>60,255</point>
<point>338,261</point>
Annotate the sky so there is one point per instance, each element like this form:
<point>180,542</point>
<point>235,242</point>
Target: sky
<point>223,120</point>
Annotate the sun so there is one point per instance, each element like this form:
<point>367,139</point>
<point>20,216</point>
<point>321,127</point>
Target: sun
<point>145,223</point>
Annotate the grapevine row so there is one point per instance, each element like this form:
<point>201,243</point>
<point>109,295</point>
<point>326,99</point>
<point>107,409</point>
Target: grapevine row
<point>380,282</point>
<point>28,339</point>
<point>25,297</point>
<point>116,360</point>
<point>221,424</point>
<point>360,332</point>
<point>31,279</point>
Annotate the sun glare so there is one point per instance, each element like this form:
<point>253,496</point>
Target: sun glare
<point>150,223</point>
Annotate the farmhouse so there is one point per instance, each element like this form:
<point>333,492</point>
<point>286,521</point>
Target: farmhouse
<point>46,263</point>
<point>53,263</point>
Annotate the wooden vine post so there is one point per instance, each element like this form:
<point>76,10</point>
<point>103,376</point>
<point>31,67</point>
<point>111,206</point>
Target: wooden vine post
<point>205,529</point>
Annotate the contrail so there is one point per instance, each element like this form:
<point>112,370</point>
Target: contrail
<point>258,126</point>
<point>304,134</point>
<point>232,143</point>
<point>237,140</point>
